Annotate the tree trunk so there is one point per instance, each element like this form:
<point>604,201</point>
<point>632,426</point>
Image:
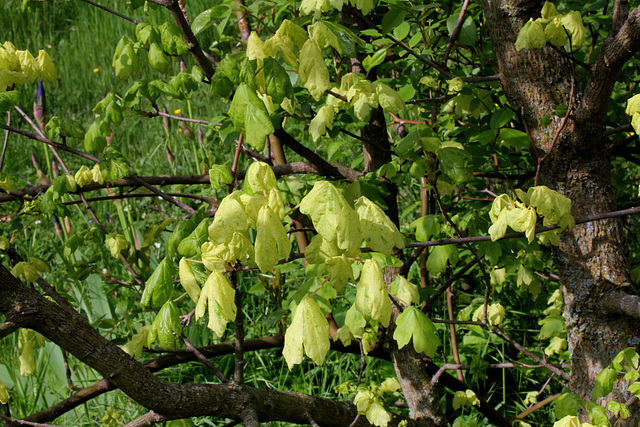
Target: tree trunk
<point>590,257</point>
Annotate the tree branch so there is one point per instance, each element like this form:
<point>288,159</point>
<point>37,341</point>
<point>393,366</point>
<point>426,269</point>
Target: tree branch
<point>160,180</point>
<point>326,168</point>
<point>188,36</point>
<point>614,53</point>
<point>27,308</point>
<point>617,302</point>
<point>51,143</point>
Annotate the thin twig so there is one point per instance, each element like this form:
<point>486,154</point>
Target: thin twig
<point>27,423</point>
<point>238,334</point>
<point>533,356</point>
<point>171,116</point>
<point>162,194</point>
<point>6,140</point>
<point>454,33</point>
<point>202,358</point>
<point>99,6</point>
<point>51,143</point>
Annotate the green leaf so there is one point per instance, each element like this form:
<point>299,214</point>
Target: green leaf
<point>572,21</point>
<point>219,297</point>
<point>406,291</point>
<point>439,256</point>
<point>389,99</point>
<point>312,70</point>
<point>355,321</point>
<point>628,355</point>
<point>339,267</point>
<point>157,59</point>
<point>604,383</point>
<point>551,326</point>
<point>309,331</point>
<point>324,36</point>
<point>202,21</point>
<point>94,140</point>
<point>226,77</point>
<point>378,229</point>
<point>372,298</point>
<point>467,34</point>
<point>555,33</point>
<point>171,39</point>
<point>414,325</point>
<point>7,99</point>
<point>598,415</point>
<point>125,58</point>
<point>250,117</point>
<point>633,105</point>
<point>164,326</point>
<point>321,122</point>
<point>377,415</point>
<point>566,405</point>
<point>377,58</point>
<point>333,217</point>
<point>455,163</point>
<point>277,81</point>
<point>190,245</point>
<point>26,344</point>
<point>426,227</point>
<point>159,286</point>
<point>393,18</point>
<point>554,207</point>
<point>147,34</point>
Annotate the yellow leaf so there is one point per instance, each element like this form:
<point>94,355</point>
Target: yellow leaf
<point>188,280</point>
<point>83,176</point>
<point>372,298</point>
<point>219,296</point>
<point>255,47</point>
<point>333,217</point>
<point>4,393</point>
<point>321,122</point>
<point>271,240</point>
<point>378,229</point>
<point>313,71</point>
<point>47,69</point>
<point>28,65</point>
<point>309,329</point>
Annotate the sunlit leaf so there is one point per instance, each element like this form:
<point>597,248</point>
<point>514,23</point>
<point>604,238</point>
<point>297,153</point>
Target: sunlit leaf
<point>332,216</point>
<point>309,331</point>
<point>188,280</point>
<point>135,345</point>
<point>272,241</point>
<point>378,229</point>
<point>313,70</point>
<point>219,297</point>
<point>414,325</point>
<point>372,298</point>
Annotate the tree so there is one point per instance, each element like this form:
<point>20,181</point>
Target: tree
<point>398,116</point>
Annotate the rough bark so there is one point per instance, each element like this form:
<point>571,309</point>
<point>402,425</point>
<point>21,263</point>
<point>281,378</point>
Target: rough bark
<point>590,258</point>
